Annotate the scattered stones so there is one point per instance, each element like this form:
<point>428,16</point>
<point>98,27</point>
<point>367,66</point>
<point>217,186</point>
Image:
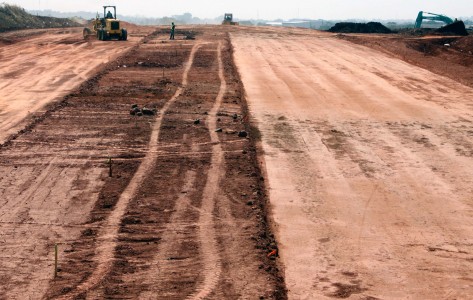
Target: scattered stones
<point>135,110</point>
<point>148,111</point>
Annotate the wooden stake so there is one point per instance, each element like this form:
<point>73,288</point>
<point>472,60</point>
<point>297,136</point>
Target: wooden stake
<point>55,260</point>
<point>109,167</point>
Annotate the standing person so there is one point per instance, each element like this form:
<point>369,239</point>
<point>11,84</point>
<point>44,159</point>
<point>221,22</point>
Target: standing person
<point>173,27</point>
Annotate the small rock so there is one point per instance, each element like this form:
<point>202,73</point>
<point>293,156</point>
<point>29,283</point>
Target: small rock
<point>134,105</point>
<point>148,111</point>
<point>218,130</point>
<point>242,133</point>
<point>235,116</point>
<point>197,121</point>
<point>139,114</point>
<point>132,112</point>
<point>250,203</point>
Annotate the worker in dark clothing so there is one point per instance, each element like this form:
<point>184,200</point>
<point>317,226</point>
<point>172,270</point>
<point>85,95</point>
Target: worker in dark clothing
<point>173,27</point>
<point>109,15</point>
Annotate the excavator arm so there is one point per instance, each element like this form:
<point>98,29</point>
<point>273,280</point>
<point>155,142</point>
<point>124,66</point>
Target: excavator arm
<point>431,16</point>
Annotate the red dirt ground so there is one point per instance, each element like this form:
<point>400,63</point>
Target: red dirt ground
<point>358,154</point>
<point>184,212</point>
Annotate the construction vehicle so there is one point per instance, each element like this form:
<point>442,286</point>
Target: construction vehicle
<point>107,28</point>
<point>228,20</point>
<point>432,17</point>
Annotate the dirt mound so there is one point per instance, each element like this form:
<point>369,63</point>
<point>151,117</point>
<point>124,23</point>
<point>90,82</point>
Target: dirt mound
<point>464,44</point>
<point>431,46</point>
<point>371,27</point>
<point>13,18</point>
<point>456,28</point>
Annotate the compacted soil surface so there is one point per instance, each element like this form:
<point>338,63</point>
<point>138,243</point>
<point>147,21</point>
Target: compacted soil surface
<point>168,202</point>
<point>369,163</point>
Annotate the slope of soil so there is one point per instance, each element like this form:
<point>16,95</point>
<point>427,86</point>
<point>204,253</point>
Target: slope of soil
<point>183,214</point>
<point>13,18</point>
<point>448,56</point>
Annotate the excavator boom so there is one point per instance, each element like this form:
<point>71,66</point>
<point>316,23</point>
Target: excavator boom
<point>431,16</point>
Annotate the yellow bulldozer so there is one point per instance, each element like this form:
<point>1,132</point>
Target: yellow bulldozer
<point>228,20</point>
<point>106,28</point>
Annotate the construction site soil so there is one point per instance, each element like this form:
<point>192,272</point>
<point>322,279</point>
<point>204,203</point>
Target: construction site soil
<point>158,172</point>
<point>183,212</point>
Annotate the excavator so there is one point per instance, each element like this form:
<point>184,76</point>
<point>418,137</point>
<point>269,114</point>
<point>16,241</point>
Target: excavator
<point>106,28</point>
<point>423,15</point>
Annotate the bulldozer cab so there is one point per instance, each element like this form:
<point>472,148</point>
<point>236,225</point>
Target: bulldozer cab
<point>228,17</point>
<point>109,14</point>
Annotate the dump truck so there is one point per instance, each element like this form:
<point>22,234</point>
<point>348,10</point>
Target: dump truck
<point>106,28</point>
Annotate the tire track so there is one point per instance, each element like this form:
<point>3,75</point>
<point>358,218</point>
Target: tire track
<point>164,267</point>
<point>108,236</point>
<point>210,255</point>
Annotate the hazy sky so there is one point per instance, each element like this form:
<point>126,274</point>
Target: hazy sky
<point>265,9</point>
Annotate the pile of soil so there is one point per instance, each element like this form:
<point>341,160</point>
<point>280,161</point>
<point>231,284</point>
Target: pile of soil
<point>464,44</point>
<point>13,17</point>
<point>433,46</point>
<point>456,28</point>
<point>371,27</point>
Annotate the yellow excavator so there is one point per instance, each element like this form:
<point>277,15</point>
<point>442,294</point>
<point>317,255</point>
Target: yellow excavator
<point>106,28</point>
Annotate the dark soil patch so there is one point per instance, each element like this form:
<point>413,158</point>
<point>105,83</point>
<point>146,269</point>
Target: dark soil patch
<point>346,290</point>
<point>456,28</point>
<point>371,27</point>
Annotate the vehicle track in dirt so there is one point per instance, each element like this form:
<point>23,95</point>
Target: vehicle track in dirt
<point>211,257</point>
<point>107,240</point>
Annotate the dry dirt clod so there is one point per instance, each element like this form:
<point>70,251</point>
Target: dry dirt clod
<point>242,134</point>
